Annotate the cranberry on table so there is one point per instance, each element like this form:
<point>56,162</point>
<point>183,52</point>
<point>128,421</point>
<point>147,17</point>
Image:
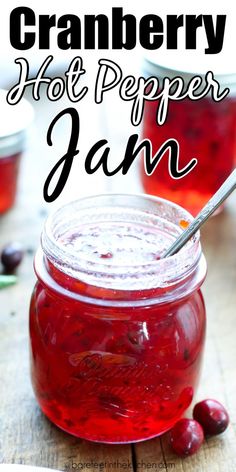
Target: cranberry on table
<point>11,256</point>
<point>212,415</point>
<point>186,437</point>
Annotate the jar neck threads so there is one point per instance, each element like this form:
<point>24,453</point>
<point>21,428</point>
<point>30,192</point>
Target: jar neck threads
<point>109,246</point>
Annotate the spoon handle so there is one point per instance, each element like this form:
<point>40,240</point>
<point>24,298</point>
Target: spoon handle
<point>218,198</point>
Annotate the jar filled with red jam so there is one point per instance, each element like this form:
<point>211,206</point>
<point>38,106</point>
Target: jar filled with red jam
<point>205,129</point>
<point>117,332</point>
<point>14,119</point>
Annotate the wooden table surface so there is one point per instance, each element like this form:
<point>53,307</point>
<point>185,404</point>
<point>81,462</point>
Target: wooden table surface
<point>26,435</point>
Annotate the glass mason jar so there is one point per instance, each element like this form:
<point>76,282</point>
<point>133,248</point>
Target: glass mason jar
<point>204,129</point>
<point>14,119</point>
<point>116,333</point>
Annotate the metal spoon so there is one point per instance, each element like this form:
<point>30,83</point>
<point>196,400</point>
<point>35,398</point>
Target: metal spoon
<point>211,206</point>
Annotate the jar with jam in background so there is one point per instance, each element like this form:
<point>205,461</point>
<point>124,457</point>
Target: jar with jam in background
<point>14,121</point>
<point>117,333</point>
<point>205,129</point>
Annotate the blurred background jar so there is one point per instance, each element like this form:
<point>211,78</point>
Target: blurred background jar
<point>14,121</point>
<point>204,129</point>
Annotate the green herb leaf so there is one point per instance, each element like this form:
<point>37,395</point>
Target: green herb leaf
<point>6,280</point>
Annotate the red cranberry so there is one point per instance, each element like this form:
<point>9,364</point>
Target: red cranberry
<point>106,255</point>
<point>11,256</point>
<point>212,416</point>
<point>186,437</point>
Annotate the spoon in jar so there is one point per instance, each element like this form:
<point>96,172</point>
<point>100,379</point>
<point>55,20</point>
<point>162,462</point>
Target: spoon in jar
<point>211,206</point>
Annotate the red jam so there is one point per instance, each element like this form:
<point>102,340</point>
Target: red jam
<point>116,338</point>
<point>13,128</point>
<point>9,167</point>
<point>205,130</point>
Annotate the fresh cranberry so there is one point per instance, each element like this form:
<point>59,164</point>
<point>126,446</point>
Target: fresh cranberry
<point>212,416</point>
<point>11,256</point>
<point>186,437</point>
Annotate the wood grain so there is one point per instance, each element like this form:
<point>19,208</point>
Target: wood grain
<point>26,436</point>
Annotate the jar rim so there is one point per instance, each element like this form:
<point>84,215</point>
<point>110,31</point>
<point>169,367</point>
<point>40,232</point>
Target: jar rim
<point>139,276</point>
<point>17,117</point>
<point>161,71</point>
<point>13,144</point>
